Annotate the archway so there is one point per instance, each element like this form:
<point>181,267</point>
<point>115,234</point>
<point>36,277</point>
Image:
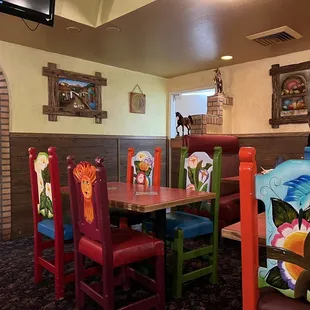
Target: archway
<point>5,175</point>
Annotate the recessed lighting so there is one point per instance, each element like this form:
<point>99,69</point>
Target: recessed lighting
<point>227,57</point>
<point>112,28</point>
<point>73,29</point>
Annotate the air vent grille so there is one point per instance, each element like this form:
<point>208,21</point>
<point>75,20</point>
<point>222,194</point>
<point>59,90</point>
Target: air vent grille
<point>275,36</point>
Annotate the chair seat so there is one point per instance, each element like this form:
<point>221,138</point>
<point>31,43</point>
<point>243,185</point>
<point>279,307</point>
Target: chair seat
<point>128,245</point>
<point>272,299</point>
<point>47,228</point>
<point>192,225</point>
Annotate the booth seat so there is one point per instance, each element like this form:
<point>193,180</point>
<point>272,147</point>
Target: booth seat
<point>229,211</point>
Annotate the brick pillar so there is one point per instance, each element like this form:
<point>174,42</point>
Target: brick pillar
<point>5,176</point>
<point>199,126</point>
<point>215,109</point>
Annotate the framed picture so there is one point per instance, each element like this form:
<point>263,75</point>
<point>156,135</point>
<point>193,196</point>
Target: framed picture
<point>73,94</point>
<point>290,94</point>
<point>137,101</point>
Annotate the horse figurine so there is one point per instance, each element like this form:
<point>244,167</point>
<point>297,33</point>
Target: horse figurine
<point>218,81</point>
<point>183,121</point>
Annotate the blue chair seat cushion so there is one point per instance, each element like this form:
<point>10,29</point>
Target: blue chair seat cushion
<point>47,228</point>
<point>192,225</point>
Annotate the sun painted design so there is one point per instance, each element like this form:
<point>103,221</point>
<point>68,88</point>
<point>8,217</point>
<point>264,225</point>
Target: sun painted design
<point>292,238</point>
<point>86,174</point>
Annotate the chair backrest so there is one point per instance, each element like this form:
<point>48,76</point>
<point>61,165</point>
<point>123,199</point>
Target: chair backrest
<point>230,151</point>
<point>199,170</point>
<point>285,192</point>
<point>89,202</point>
<point>45,185</point>
<point>143,168</point>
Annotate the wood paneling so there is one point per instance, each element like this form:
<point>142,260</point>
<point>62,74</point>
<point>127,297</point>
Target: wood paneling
<point>269,147</point>
<point>83,147</point>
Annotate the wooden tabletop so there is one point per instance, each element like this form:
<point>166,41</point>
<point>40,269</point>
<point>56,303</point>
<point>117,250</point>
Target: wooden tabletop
<point>234,179</point>
<point>144,199</point>
<point>234,231</point>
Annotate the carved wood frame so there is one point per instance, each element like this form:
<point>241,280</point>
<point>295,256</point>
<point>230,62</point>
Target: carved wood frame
<point>53,108</point>
<point>276,118</point>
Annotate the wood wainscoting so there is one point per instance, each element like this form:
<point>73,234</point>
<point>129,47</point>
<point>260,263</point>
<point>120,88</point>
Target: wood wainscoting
<point>84,147</point>
<point>268,148</point>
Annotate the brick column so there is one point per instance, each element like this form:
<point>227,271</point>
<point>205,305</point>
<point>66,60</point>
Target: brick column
<point>215,109</point>
<point>199,126</point>
<point>5,177</point>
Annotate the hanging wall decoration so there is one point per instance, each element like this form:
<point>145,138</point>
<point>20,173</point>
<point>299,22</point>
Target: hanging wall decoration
<point>73,94</point>
<point>137,101</point>
<point>290,94</point>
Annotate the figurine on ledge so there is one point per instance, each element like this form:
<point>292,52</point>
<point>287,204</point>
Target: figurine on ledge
<point>218,81</point>
<point>183,121</point>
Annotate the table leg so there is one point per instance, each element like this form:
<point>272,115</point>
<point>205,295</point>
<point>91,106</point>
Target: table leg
<point>160,232</point>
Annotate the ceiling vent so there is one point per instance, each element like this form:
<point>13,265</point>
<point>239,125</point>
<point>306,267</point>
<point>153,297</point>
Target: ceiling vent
<point>275,36</point>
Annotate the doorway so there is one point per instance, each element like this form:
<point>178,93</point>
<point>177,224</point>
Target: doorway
<point>187,103</point>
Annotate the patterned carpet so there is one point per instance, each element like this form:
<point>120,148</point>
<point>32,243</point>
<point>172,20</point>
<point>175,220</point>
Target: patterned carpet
<point>18,291</point>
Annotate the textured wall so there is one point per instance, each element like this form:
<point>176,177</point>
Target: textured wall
<point>28,93</point>
<point>250,86</point>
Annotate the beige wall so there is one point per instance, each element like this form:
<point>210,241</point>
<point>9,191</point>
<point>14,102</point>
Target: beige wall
<point>250,86</point>
<point>28,93</point>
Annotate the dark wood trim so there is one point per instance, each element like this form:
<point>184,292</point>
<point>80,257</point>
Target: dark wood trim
<point>119,160</point>
<point>52,111</point>
<point>52,71</point>
<point>90,136</point>
<point>276,107</point>
<point>294,119</point>
<point>276,69</point>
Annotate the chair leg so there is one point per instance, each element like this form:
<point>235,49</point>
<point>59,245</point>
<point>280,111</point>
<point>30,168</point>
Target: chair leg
<point>213,278</point>
<point>79,271</point>
<point>108,287</point>
<point>178,244</point>
<point>160,282</point>
<point>38,252</point>
<point>59,271</point>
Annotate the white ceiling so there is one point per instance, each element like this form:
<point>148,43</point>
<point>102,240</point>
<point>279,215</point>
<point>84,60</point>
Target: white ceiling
<point>96,12</point>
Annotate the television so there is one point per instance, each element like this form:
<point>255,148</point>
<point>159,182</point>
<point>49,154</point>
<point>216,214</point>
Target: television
<point>41,11</point>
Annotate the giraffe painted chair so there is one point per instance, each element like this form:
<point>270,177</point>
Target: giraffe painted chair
<point>285,191</point>
<point>48,218</point>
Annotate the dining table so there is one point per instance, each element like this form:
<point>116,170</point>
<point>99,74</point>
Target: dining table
<point>233,231</point>
<point>148,199</point>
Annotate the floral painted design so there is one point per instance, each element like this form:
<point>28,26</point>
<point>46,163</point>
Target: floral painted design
<point>291,237</point>
<point>198,173</point>
<point>85,173</point>
<point>143,164</point>
<point>291,220</point>
<point>45,206</point>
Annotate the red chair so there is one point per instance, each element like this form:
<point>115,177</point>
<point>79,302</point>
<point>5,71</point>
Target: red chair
<point>111,248</point>
<point>48,218</point>
<point>148,175</point>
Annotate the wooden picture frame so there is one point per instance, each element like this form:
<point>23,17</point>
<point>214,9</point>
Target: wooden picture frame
<point>137,103</point>
<point>73,94</point>
<point>290,94</point>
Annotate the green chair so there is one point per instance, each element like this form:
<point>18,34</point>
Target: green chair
<point>195,174</point>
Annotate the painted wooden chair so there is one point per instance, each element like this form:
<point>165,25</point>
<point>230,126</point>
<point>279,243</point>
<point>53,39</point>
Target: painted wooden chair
<point>112,248</point>
<point>194,174</point>
<point>285,191</point>
<point>142,168</point>
<point>48,218</point>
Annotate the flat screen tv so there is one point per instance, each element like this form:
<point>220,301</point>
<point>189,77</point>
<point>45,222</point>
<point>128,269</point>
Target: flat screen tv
<point>41,11</point>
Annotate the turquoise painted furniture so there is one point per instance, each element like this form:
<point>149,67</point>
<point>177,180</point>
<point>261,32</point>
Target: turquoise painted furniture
<point>285,192</point>
<point>194,174</point>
